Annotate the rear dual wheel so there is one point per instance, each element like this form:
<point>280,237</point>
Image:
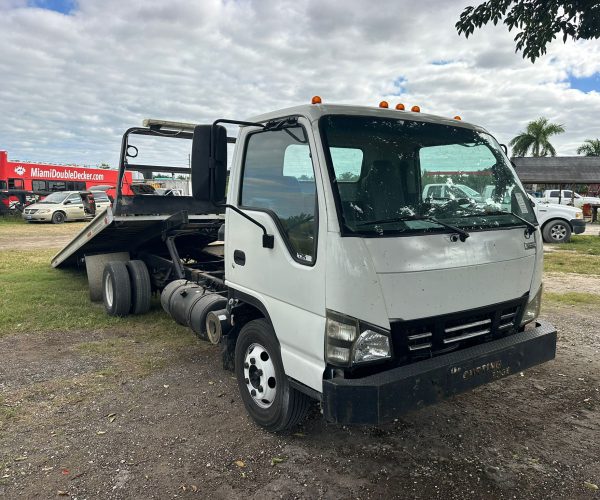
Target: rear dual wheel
<point>126,288</point>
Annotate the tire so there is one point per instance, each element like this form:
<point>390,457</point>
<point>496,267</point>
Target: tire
<point>258,365</point>
<point>141,288</point>
<point>116,289</point>
<point>557,231</point>
<point>58,217</point>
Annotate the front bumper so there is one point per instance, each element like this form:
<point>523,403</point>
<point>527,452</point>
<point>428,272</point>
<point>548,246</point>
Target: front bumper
<point>578,225</point>
<point>38,217</point>
<point>380,398</point>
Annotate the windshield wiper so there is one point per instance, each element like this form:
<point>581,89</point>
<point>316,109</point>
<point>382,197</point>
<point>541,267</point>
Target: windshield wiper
<point>530,226</point>
<point>462,233</point>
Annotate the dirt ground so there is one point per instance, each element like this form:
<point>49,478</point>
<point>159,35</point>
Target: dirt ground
<point>79,423</point>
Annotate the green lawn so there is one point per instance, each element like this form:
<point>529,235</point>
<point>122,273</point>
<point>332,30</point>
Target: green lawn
<point>581,255</point>
<point>35,297</point>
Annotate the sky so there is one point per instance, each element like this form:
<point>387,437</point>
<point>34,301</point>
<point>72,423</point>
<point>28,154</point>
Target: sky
<point>74,74</point>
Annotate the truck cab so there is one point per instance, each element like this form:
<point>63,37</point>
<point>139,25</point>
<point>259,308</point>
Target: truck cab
<point>367,275</point>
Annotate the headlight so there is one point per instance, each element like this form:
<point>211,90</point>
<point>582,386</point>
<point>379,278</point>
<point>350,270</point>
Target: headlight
<point>579,215</point>
<point>44,211</point>
<point>371,346</point>
<point>532,311</point>
<point>349,341</point>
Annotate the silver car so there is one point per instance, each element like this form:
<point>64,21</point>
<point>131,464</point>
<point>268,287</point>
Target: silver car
<point>66,206</point>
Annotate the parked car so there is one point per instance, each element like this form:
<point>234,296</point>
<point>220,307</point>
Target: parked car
<point>449,191</point>
<point>558,222</point>
<point>568,197</point>
<point>66,206</point>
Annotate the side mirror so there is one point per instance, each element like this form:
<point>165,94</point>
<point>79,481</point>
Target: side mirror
<point>67,202</point>
<point>504,148</point>
<point>209,163</point>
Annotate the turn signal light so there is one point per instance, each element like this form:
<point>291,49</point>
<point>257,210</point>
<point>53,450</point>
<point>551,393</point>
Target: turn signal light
<point>457,117</point>
<point>316,100</point>
<point>384,104</point>
<point>415,109</point>
<point>400,106</point>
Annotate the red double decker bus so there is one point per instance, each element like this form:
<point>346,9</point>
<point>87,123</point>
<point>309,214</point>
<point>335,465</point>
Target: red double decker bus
<point>44,178</point>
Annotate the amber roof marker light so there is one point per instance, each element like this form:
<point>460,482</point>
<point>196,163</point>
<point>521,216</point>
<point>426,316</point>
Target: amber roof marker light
<point>415,109</point>
<point>384,104</point>
<point>400,107</point>
<point>316,100</point>
<point>457,118</point>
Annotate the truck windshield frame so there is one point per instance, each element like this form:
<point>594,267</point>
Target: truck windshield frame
<point>410,174</point>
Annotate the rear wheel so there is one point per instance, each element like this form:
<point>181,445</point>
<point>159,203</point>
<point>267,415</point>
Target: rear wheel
<point>58,217</point>
<point>557,231</point>
<point>262,381</point>
<point>116,289</point>
<point>141,288</point>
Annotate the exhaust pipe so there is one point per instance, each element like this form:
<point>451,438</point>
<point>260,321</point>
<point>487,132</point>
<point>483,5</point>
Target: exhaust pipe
<point>218,323</point>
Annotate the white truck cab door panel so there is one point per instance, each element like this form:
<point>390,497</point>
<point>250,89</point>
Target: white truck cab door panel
<point>279,187</point>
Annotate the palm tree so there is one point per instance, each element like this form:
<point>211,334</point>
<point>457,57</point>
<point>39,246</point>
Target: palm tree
<point>535,138</point>
<point>590,147</point>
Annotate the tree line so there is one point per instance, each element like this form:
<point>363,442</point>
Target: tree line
<point>535,140</point>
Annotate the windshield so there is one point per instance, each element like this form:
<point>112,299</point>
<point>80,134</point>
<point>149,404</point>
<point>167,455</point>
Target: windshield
<point>401,176</point>
<point>55,198</point>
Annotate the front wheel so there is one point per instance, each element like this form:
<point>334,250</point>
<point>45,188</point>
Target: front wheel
<point>58,217</point>
<point>262,381</point>
<point>557,231</point>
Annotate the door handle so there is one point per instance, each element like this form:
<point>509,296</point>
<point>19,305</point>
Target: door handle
<point>239,257</point>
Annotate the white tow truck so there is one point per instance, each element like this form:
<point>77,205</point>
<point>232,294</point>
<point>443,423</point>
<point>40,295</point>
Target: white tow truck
<point>324,274</point>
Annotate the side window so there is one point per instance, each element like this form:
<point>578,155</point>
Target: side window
<point>553,194</point>
<point>39,185</point>
<point>568,194</point>
<point>2,184</point>
<point>279,177</point>
<point>16,184</point>
<point>74,198</point>
<point>347,163</point>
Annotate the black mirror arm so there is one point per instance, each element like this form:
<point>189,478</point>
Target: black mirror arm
<point>268,240</point>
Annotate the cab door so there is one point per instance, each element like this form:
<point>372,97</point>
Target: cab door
<point>73,207</point>
<point>279,186</point>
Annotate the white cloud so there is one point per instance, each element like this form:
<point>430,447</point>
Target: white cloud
<point>72,84</point>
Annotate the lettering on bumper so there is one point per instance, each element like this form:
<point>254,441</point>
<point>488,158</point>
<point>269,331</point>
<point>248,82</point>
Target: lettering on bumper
<point>495,367</point>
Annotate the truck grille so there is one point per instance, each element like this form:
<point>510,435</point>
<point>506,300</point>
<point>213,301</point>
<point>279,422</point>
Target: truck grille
<point>439,334</point>
<point>30,211</point>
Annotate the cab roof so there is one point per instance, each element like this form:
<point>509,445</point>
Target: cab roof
<point>315,111</point>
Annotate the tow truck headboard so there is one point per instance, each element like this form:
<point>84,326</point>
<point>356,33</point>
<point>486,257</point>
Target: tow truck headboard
<point>206,179</point>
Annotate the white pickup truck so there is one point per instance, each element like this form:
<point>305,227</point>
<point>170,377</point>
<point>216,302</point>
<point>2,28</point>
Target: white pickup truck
<point>558,222</point>
<point>568,197</point>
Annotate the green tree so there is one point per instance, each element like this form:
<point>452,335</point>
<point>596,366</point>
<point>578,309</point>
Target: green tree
<point>538,21</point>
<point>536,138</point>
<point>590,147</point>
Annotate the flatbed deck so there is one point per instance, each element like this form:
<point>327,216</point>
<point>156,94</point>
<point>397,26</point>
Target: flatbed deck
<point>108,233</point>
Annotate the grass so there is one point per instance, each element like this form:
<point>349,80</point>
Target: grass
<point>570,262</point>
<point>34,297</point>
<point>581,256</point>
<point>587,245</point>
<point>572,298</point>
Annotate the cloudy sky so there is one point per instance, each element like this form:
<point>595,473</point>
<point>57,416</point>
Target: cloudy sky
<point>76,73</point>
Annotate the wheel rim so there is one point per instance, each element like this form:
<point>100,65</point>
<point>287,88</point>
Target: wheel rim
<point>108,289</point>
<point>259,375</point>
<point>558,232</point>
<point>58,217</point>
